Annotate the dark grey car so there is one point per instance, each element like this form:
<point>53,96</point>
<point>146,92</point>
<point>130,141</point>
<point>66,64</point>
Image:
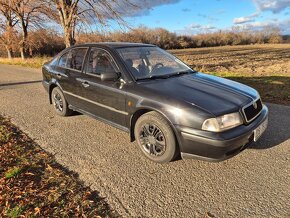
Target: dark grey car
<point>167,107</point>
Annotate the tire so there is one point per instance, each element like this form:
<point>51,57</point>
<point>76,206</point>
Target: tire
<point>59,102</point>
<point>155,137</point>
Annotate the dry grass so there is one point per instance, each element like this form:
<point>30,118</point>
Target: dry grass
<point>33,184</point>
<point>35,62</point>
<point>264,67</point>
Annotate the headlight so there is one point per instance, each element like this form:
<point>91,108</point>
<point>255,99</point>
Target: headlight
<point>222,123</point>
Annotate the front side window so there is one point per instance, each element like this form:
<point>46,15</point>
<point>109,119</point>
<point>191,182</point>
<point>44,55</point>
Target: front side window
<point>100,62</point>
<point>151,62</point>
<point>73,59</point>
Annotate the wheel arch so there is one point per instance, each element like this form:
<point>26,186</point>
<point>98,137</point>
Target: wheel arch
<point>138,113</point>
<point>52,85</point>
<point>135,116</point>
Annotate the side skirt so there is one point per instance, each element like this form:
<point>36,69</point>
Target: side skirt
<point>125,129</point>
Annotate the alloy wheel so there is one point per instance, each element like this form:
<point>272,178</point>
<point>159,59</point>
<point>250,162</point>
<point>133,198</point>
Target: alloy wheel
<point>152,140</point>
<point>58,102</point>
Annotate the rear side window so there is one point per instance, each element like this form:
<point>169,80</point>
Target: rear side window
<point>73,59</point>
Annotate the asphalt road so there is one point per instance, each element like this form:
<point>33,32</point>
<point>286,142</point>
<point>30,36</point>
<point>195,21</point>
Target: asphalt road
<point>256,183</point>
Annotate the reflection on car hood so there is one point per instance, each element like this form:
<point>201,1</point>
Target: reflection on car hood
<point>214,94</point>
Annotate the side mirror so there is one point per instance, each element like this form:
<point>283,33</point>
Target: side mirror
<point>110,76</point>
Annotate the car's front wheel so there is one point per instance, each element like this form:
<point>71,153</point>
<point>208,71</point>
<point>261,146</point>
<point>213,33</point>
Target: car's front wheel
<point>59,102</point>
<point>155,137</point>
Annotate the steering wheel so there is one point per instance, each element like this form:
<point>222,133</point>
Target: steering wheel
<point>156,66</point>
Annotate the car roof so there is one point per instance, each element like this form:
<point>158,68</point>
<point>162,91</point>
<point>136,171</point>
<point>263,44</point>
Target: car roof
<point>115,44</point>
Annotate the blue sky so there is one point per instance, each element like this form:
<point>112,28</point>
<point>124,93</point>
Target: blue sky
<point>196,16</point>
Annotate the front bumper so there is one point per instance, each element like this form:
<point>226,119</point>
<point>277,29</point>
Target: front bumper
<point>216,147</point>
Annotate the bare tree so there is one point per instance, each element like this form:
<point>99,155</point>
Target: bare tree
<point>29,13</point>
<point>71,13</point>
<point>9,20</point>
<point>273,35</point>
<point>44,42</point>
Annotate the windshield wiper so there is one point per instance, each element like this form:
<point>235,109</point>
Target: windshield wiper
<point>153,77</point>
<point>181,73</point>
<point>168,75</point>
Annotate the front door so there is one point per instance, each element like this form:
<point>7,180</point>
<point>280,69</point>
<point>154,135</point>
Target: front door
<point>105,100</point>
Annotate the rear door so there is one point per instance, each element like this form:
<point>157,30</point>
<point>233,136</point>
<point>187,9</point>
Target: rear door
<point>103,99</point>
<point>69,71</point>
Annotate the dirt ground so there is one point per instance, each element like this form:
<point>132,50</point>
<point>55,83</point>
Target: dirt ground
<point>265,67</point>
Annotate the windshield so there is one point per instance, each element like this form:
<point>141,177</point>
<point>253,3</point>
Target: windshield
<point>152,62</point>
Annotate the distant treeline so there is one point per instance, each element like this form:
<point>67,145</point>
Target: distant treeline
<point>168,40</point>
<point>48,42</point>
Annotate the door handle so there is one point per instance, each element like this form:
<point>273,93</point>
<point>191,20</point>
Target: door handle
<point>85,84</point>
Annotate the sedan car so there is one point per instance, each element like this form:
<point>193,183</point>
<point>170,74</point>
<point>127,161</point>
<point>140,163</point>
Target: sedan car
<point>168,108</point>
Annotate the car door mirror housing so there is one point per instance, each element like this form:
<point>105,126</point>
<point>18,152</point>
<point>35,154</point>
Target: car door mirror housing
<point>110,76</point>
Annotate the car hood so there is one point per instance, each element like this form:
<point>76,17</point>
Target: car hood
<point>213,94</point>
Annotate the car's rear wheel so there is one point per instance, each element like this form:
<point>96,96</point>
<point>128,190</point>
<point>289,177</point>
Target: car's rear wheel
<point>59,102</point>
<point>155,137</point>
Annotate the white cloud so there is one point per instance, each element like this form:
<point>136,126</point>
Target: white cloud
<point>139,7</point>
<point>275,6</point>
<point>208,17</point>
<point>196,28</point>
<point>246,19</point>
<point>186,10</point>
<point>201,28</point>
<point>241,20</point>
<point>283,25</point>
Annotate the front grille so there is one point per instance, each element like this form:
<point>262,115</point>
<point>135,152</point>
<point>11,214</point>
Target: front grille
<point>252,110</point>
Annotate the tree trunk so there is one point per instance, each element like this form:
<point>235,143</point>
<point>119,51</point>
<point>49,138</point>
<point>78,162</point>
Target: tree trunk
<point>24,40</point>
<point>9,52</point>
<point>68,37</point>
<point>22,50</point>
<point>30,52</point>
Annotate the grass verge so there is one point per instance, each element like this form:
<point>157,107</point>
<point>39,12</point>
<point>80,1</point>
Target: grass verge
<point>33,184</point>
<point>35,62</point>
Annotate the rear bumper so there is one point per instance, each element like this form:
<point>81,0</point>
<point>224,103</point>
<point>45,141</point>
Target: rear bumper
<point>216,147</point>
